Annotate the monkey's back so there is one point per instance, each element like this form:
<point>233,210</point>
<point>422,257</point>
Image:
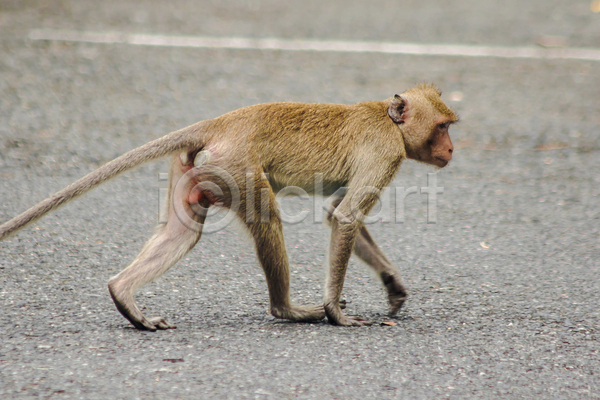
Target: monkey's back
<point>295,141</point>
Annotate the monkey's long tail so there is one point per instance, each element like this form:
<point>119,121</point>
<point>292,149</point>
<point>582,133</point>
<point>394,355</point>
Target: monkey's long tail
<point>168,144</point>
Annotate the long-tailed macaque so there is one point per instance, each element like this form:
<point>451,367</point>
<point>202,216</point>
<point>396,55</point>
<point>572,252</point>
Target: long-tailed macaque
<point>263,148</point>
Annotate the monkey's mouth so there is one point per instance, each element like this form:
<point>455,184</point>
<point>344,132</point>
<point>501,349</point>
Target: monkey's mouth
<point>441,162</point>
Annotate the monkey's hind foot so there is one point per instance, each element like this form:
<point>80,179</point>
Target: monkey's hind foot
<point>141,322</point>
<point>299,313</point>
<point>129,310</point>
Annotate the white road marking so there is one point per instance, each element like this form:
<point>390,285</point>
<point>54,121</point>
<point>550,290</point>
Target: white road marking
<point>315,45</point>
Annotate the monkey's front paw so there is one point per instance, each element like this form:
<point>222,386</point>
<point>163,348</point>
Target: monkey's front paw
<point>335,316</point>
<point>396,302</point>
<point>396,291</point>
<point>351,320</point>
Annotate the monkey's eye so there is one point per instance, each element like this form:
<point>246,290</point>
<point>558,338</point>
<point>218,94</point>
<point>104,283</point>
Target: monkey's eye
<point>444,125</point>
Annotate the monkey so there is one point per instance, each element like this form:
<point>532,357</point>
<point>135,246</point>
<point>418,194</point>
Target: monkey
<point>262,148</point>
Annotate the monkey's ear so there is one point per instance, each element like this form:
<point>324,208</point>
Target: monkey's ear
<point>398,109</point>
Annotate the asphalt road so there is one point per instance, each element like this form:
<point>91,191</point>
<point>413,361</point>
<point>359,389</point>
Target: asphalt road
<point>504,288</point>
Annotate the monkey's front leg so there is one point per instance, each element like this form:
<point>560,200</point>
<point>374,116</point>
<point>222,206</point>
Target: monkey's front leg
<point>367,250</point>
<point>343,236</point>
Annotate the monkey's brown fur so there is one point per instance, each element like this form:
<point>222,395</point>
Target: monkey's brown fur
<point>353,146</point>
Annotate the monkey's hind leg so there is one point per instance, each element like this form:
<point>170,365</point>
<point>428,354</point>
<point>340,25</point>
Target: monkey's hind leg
<point>270,248</point>
<point>159,254</point>
<point>171,242</point>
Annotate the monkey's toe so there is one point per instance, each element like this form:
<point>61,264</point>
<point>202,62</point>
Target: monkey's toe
<point>350,320</point>
<point>358,321</point>
<point>161,323</point>
<point>152,324</point>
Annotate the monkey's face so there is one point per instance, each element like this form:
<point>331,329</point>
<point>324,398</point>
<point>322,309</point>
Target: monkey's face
<point>431,146</point>
<point>440,146</point>
<point>436,150</point>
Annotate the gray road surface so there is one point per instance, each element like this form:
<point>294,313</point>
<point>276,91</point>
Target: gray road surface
<point>504,289</point>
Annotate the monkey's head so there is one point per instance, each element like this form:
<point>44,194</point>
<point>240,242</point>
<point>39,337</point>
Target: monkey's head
<point>424,119</point>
